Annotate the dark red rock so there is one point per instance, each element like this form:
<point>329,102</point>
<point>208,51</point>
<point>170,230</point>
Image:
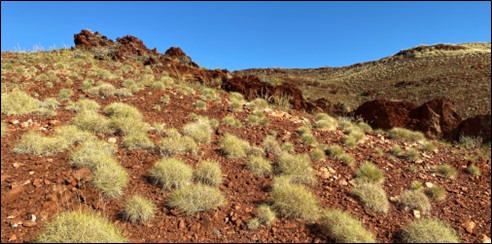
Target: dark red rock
<point>478,126</point>
<point>384,114</point>
<point>436,118</point>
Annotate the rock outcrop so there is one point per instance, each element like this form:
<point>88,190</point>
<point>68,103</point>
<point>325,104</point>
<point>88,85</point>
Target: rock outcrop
<point>384,114</point>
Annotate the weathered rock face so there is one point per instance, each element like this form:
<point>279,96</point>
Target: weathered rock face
<point>384,114</point>
<point>87,39</point>
<point>436,118</point>
<point>177,53</point>
<point>478,126</point>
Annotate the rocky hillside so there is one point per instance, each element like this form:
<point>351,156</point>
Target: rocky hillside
<point>460,73</point>
<point>112,141</point>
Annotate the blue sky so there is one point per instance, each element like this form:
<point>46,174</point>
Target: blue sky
<point>240,35</point>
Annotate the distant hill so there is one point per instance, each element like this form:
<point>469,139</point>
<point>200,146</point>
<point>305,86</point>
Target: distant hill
<point>459,72</point>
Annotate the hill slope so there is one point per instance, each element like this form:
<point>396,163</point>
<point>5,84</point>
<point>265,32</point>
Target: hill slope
<point>460,73</point>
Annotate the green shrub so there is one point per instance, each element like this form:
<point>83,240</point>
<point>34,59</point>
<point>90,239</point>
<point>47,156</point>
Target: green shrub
<point>258,165</point>
<point>253,224</point>
<point>470,142</point>
<point>396,150</point>
<point>198,197</point>
<point>415,200</point>
<point>128,125</point>
<point>234,147</point>
<point>173,145</point>
<point>258,104</point>
<point>287,147</point>
<point>91,153</point>
<point>201,105</point>
<point>110,178</point>
<point>92,121</point>
<point>317,154</point>
<point>429,231</point>
<point>200,131</point>
<point>372,195</point>
<point>18,103</point>
<point>72,134</point>
<point>445,170</point>
<point>355,137</point>
<point>297,167</point>
<point>265,214</point>
<point>103,90</point>
<point>294,201</point>
<point>428,146</point>
<point>122,110</point>
<point>208,172</point>
<point>139,209</point>
<point>335,151</point>
<point>171,172</point>
<point>364,126</point>
<point>138,140</point>
<point>209,94</point>
<point>343,228</point>
<point>80,227</point>
<point>436,192</point>
<point>83,104</point>
<point>325,122</point>
<point>415,185</point>
<point>473,170</point>
<point>305,129</point>
<point>406,135</point>
<point>5,130</point>
<point>309,139</point>
<point>410,154</point>
<point>378,151</point>
<point>270,144</point>
<point>369,172</point>
<point>346,159</point>
<point>256,151</point>
<point>229,120</point>
<point>34,143</point>
<point>257,118</point>
<point>64,94</point>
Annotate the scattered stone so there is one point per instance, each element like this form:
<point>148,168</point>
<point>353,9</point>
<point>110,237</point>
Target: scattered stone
<point>14,225</point>
<point>31,172</point>
<point>112,140</point>
<point>331,170</point>
<point>416,213</point>
<point>33,218</point>
<point>10,217</point>
<point>419,161</point>
<point>83,174</point>
<point>29,224</point>
<point>181,224</point>
<point>13,237</point>
<point>429,184</point>
<point>14,122</point>
<point>16,165</point>
<point>469,226</point>
<point>54,122</point>
<point>393,199</point>
<point>47,182</point>
<point>49,160</point>
<point>24,124</point>
<point>352,182</point>
<point>343,182</point>
<point>13,194</point>
<point>486,239</point>
<point>36,182</point>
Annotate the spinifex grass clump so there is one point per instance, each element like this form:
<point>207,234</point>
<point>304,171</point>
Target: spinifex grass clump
<point>325,122</point>
<point>436,192</point>
<point>429,231</point>
<point>171,173</point>
<point>139,209</point>
<point>200,131</point>
<point>174,144</point>
<point>229,120</point>
<point>415,200</point>
<point>343,228</point>
<point>258,104</point>
<point>5,130</point>
<point>337,152</point>
<point>406,135</point>
<point>271,145</point>
<point>445,170</point>
<point>473,170</point>
<point>265,214</point>
<point>194,198</point>
<point>369,172</point>
<point>258,165</point>
<point>34,143</point>
<point>83,104</point>
<point>234,147</point>
<point>92,121</point>
<point>80,227</point>
<point>257,118</point>
<point>293,200</point>
<point>297,167</point>
<point>372,195</point>
<point>208,172</point>
<point>18,103</point>
<point>236,101</point>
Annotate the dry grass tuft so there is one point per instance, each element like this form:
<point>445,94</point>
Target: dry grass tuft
<point>343,228</point>
<point>194,198</point>
<point>429,231</point>
<point>171,173</point>
<point>208,172</point>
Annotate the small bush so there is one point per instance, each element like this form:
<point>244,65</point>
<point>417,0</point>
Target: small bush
<point>18,103</point>
<point>110,178</point>
<point>80,227</point>
<point>318,154</point>
<point>355,137</point>
<point>258,104</point>
<point>335,151</point>
<point>309,139</point>
<point>396,150</point>
<point>83,104</point>
<point>201,105</point>
<point>406,135</point>
<point>256,151</point>
<point>138,140</point>
<point>473,170</point>
<point>64,94</point>
<point>92,121</point>
<point>410,154</point>
<point>72,134</point>
<point>139,209</point>
<point>253,224</point>
<point>445,170</point>
<point>343,228</point>
<point>165,99</point>
<point>415,185</point>
<point>257,118</point>
<point>378,151</point>
<point>234,147</point>
<point>128,125</point>
<point>294,201</point>
<point>200,131</point>
<point>415,200</point>
<point>258,165</point>
<point>297,167</point>
<point>325,122</point>
<point>305,129</point>
<point>173,145</point>
<point>122,110</point>
<point>436,192</point>
<point>193,198</point>
<point>103,90</point>
<point>428,146</point>
<point>229,120</point>
<point>372,195</point>
<point>369,172</point>
<point>265,214</point>
<point>429,231</point>
<point>470,142</point>
<point>346,159</point>
<point>171,172</point>
<point>287,147</point>
<point>270,144</point>
<point>364,126</point>
<point>208,172</point>
<point>34,143</point>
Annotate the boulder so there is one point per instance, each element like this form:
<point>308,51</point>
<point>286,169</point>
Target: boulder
<point>436,118</point>
<point>478,126</point>
<point>385,114</point>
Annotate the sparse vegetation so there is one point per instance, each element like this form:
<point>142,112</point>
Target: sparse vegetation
<point>436,192</point>
<point>253,224</point>
<point>175,144</point>
<point>171,173</point>
<point>229,120</point>
<point>317,154</point>
<point>265,214</point>
<point>234,147</point>
<point>83,104</point>
<point>369,172</point>
<point>200,131</point>
<point>259,165</point>
<point>343,228</point>
<point>139,209</point>
<point>415,199</point>
<point>446,170</point>
<point>325,122</point>
<point>293,200</point>
<point>257,118</point>
<point>5,129</point>
<point>80,227</point>
<point>258,104</point>
<point>470,142</point>
<point>193,198</point>
<point>372,195</point>
<point>208,172</point>
<point>270,144</point>
<point>35,143</point>
<point>473,170</point>
<point>406,135</point>
<point>297,167</point>
<point>18,103</point>
<point>429,231</point>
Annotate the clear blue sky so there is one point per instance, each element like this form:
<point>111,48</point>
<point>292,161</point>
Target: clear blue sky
<point>240,35</point>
